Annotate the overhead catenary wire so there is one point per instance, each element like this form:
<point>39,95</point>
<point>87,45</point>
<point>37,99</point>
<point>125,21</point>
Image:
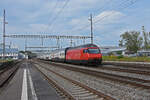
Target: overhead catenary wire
<point>101,8</point>
<point>65,4</point>
<point>123,8</point>
<point>55,6</point>
<point>113,12</point>
<point>104,7</point>
<point>125,5</point>
<point>51,17</point>
<point>58,14</point>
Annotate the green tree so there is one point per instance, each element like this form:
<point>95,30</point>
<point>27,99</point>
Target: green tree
<point>21,52</point>
<point>30,54</point>
<point>132,40</point>
<point>146,38</point>
<point>120,43</point>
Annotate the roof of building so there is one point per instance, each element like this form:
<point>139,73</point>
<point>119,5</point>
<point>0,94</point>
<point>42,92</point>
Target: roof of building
<point>144,51</point>
<point>107,49</point>
<point>9,50</point>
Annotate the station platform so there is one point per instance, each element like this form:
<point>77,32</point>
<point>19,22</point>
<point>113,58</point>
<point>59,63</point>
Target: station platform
<point>28,84</point>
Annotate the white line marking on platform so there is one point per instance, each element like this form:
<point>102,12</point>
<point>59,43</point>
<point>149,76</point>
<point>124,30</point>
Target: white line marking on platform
<point>24,95</point>
<point>32,88</point>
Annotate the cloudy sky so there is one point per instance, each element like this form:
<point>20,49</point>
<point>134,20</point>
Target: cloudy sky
<point>70,17</point>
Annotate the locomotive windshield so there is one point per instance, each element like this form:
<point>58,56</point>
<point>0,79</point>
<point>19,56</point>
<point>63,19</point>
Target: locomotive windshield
<point>94,51</point>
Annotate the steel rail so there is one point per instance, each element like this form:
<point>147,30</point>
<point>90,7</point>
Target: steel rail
<point>7,73</point>
<point>138,65</point>
<point>99,94</point>
<point>126,70</point>
<point>122,79</point>
<point>54,84</point>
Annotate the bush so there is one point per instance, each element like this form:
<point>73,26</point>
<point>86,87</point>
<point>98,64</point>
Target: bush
<point>119,57</point>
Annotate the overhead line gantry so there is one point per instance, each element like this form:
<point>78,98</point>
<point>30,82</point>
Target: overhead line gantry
<point>47,36</point>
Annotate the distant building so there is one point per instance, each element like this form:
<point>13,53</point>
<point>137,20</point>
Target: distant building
<point>10,53</point>
<point>21,56</point>
<point>115,50</point>
<point>143,53</point>
<point>44,56</point>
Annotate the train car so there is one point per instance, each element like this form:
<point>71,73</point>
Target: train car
<point>58,55</point>
<point>84,54</point>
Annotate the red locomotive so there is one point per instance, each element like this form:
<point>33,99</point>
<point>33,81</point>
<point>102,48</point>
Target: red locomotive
<point>84,54</point>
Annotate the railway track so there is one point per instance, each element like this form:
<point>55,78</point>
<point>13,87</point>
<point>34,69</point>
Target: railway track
<point>7,73</point>
<point>135,82</point>
<point>136,71</point>
<point>129,67</point>
<point>111,86</point>
<point>137,65</point>
<point>71,89</point>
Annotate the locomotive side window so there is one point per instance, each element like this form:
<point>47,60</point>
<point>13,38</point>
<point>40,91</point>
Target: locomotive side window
<point>93,51</point>
<point>85,51</point>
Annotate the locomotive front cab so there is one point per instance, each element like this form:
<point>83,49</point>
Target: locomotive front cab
<point>93,55</point>
<point>94,51</point>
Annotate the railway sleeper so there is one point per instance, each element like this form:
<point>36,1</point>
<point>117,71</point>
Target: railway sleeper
<point>80,92</point>
<point>91,97</point>
<point>74,88</point>
<point>83,95</point>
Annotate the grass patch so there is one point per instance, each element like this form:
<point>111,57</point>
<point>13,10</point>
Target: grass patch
<point>129,59</point>
<point>4,61</point>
